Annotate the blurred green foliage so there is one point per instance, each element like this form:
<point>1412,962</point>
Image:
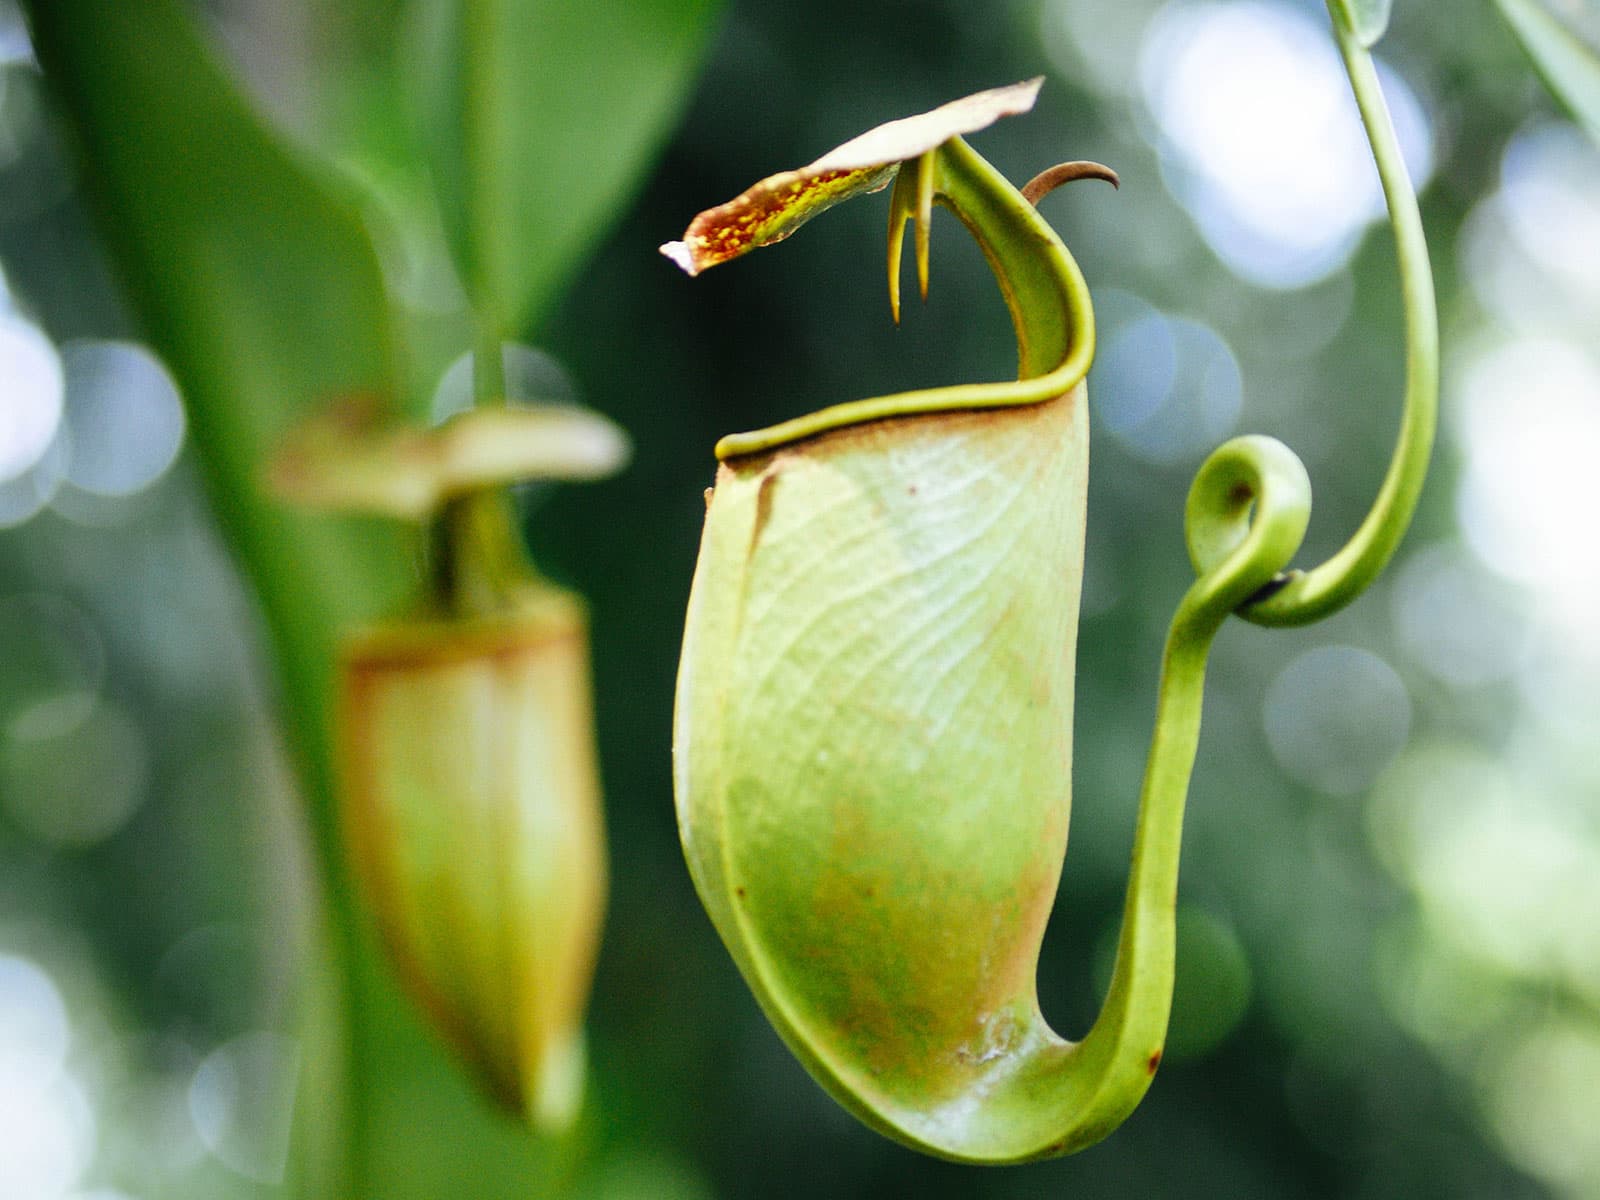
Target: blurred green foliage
<point>539,117</point>
<point>1569,66</point>
<point>1387,956</point>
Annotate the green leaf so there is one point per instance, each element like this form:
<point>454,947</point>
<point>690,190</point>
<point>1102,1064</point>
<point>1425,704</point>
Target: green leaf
<point>1570,66</point>
<point>543,115</point>
<point>1368,19</point>
<point>254,279</point>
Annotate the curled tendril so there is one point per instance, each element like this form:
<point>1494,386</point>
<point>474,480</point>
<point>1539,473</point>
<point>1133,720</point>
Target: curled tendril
<point>1301,597</point>
<point>1244,521</point>
<point>1246,514</point>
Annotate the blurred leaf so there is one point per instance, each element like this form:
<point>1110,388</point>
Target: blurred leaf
<point>1368,18</point>
<point>258,285</point>
<point>543,114</point>
<point>255,281</point>
<point>1570,67</point>
<point>341,461</point>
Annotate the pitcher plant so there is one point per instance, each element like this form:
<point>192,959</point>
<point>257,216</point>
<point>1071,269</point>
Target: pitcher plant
<point>469,792</point>
<point>872,745</point>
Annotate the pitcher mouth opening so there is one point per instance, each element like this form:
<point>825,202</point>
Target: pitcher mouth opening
<point>1043,288</point>
<point>928,162</point>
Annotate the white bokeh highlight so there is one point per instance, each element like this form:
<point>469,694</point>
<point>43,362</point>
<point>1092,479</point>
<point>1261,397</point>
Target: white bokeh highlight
<point>1530,251</point>
<point>1528,420</point>
<point>241,1100</point>
<point>1261,138</point>
<point>1460,625</point>
<point>532,377</point>
<point>47,1129</point>
<point>123,421</point>
<point>1550,193</point>
<point>31,392</point>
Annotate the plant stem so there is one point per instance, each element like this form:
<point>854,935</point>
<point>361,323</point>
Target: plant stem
<point>479,562</point>
<point>489,368</point>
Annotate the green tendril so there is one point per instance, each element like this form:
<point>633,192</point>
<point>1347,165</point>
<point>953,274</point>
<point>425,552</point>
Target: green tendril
<point>1246,514</point>
<point>1244,520</point>
<point>1307,596</point>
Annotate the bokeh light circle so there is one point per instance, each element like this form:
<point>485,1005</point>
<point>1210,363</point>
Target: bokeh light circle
<point>532,377</point>
<point>1335,717</point>
<point>31,390</point>
<point>77,785</point>
<point>1167,388</point>
<point>241,1100</point>
<point>124,420</point>
<point>47,1129</point>
<point>34,1032</point>
<point>1261,137</point>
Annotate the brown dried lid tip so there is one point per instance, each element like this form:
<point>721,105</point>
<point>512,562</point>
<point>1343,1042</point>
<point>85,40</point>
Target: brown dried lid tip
<point>772,209</point>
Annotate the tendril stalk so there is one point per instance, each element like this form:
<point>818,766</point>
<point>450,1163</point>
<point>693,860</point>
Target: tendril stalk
<point>1301,597</point>
<point>1244,520</point>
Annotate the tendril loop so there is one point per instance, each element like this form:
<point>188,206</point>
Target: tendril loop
<point>1244,520</point>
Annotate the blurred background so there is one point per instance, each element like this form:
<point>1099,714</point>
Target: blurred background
<point>1389,959</point>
